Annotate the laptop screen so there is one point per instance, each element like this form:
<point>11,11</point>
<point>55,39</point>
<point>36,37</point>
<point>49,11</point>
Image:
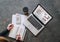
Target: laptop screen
<point>42,14</point>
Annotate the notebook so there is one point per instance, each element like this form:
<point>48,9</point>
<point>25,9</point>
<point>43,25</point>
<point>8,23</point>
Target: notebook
<point>19,28</point>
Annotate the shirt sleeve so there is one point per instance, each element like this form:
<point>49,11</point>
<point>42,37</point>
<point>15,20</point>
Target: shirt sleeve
<point>3,33</point>
<point>18,41</point>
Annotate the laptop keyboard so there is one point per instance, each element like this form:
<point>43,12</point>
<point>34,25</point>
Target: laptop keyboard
<point>34,22</point>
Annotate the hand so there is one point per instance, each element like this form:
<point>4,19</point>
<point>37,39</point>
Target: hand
<point>18,37</point>
<point>10,26</point>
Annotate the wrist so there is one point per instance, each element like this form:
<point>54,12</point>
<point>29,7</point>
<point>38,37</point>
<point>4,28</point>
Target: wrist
<point>8,29</point>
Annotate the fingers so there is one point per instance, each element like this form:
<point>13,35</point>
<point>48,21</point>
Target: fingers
<point>18,37</point>
<point>10,26</point>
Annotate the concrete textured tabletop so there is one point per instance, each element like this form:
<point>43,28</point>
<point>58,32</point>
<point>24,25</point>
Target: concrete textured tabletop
<point>51,32</point>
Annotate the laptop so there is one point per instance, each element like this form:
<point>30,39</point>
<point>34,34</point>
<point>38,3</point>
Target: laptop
<point>37,20</point>
<point>33,25</point>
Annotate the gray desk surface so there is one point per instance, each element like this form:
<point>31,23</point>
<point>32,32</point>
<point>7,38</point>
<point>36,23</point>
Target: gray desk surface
<point>51,33</point>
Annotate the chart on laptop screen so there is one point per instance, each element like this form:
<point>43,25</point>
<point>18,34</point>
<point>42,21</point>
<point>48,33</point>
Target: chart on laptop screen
<point>42,15</point>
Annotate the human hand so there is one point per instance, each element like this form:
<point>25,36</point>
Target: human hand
<point>18,37</point>
<point>10,26</point>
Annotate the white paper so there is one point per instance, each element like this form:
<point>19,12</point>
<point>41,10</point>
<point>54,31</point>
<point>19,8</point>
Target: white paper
<point>16,19</point>
<point>18,28</point>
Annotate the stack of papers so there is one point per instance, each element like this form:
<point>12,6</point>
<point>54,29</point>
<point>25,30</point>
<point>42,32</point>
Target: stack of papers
<point>19,28</point>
